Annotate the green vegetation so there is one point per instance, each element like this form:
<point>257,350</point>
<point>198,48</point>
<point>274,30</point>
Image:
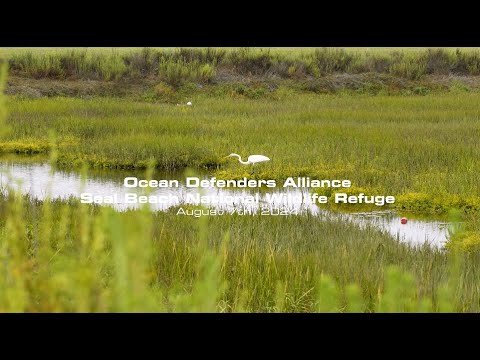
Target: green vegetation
<point>164,75</point>
<point>176,65</point>
<point>65,256</point>
<point>417,139</point>
<point>3,73</point>
<point>424,150</point>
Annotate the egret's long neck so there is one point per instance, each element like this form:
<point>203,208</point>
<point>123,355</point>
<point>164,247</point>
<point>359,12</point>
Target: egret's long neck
<point>240,159</point>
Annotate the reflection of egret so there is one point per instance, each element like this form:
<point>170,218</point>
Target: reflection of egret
<point>252,159</point>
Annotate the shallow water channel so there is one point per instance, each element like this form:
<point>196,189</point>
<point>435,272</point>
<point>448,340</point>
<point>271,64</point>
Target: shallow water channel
<point>38,180</point>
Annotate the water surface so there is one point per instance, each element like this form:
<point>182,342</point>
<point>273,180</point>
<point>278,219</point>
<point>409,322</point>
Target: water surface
<point>39,181</point>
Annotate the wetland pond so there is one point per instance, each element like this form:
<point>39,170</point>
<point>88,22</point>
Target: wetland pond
<point>38,180</point>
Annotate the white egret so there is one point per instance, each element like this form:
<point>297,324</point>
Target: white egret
<point>189,103</point>
<point>252,159</point>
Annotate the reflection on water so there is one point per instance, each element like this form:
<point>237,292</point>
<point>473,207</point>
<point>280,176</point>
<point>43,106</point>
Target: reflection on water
<point>416,232</point>
<point>38,181</point>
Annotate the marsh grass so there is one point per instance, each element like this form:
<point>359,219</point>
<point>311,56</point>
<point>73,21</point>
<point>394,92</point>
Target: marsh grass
<point>201,64</point>
<point>3,81</point>
<point>63,256</point>
<point>424,150</point>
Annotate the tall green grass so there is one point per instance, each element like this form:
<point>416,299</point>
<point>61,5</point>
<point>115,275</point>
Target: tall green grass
<point>62,256</point>
<point>3,74</point>
<point>202,64</point>
<point>68,257</point>
<point>424,150</point>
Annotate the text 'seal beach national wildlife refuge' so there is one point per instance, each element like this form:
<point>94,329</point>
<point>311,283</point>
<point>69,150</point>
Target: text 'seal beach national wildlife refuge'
<point>239,180</point>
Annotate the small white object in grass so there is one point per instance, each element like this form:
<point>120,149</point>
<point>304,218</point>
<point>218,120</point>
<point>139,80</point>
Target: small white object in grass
<point>189,103</point>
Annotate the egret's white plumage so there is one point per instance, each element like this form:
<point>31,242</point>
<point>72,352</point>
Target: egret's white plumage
<point>252,159</point>
<point>189,103</point>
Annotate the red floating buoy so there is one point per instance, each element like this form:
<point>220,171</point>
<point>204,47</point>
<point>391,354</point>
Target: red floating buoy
<point>403,220</point>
